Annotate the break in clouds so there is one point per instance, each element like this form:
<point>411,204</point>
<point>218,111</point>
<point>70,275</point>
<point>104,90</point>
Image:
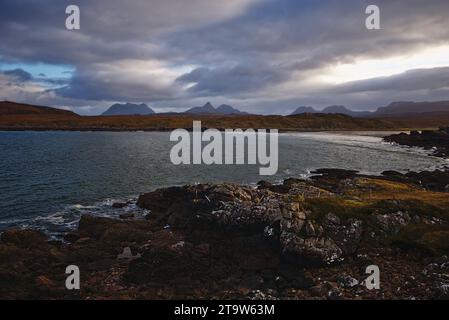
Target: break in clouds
<point>267,56</point>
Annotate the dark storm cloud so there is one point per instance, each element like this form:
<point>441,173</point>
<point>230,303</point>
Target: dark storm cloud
<point>232,80</point>
<point>247,52</point>
<point>18,75</point>
<point>299,37</point>
<point>412,80</point>
<point>92,84</point>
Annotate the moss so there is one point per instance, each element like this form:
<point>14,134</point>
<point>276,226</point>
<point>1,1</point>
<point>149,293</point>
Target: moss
<point>437,242</point>
<point>382,185</point>
<point>429,239</point>
<point>343,208</point>
<point>412,207</point>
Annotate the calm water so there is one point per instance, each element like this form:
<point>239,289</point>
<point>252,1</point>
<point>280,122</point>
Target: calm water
<point>48,179</point>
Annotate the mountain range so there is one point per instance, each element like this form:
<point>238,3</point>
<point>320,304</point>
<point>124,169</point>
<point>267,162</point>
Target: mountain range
<point>412,108</point>
<point>393,109</point>
<point>143,109</point>
<point>208,108</point>
<point>333,110</point>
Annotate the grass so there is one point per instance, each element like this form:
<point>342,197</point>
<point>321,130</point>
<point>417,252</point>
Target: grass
<point>430,239</point>
<point>363,198</point>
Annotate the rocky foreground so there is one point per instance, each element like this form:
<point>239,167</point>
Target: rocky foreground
<point>436,141</point>
<point>299,240</point>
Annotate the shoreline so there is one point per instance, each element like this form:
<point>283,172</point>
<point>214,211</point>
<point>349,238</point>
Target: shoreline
<point>275,241</point>
<point>302,130</point>
<point>300,239</point>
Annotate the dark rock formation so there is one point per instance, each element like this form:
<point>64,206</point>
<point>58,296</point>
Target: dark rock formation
<point>298,240</point>
<point>437,141</point>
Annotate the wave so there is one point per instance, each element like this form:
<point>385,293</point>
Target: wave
<point>62,221</point>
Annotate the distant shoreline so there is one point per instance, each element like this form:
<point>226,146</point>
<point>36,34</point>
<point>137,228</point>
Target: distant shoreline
<point>49,129</point>
<point>17,117</point>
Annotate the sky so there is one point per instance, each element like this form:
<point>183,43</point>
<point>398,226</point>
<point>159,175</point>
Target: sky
<point>261,56</point>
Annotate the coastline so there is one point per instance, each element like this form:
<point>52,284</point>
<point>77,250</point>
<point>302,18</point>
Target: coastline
<point>302,239</point>
<point>436,141</point>
<point>297,123</point>
<point>302,130</point>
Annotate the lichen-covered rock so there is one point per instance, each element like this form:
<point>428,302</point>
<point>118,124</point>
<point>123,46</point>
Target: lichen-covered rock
<point>310,251</point>
<point>393,223</point>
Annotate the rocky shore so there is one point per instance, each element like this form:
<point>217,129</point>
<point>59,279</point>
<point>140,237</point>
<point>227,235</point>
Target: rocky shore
<point>302,239</point>
<point>437,141</point>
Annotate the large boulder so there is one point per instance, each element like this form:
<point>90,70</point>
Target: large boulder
<point>279,216</point>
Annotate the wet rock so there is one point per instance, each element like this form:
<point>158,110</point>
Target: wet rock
<point>264,184</point>
<point>23,238</point>
<point>72,237</point>
<point>127,216</point>
<point>119,205</point>
<point>437,140</point>
<point>95,226</point>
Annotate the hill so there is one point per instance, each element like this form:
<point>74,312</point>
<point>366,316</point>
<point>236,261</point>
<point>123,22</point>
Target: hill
<point>128,109</point>
<point>8,108</point>
<point>408,107</point>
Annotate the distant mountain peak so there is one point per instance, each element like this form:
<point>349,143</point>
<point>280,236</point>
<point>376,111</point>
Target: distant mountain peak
<point>227,109</point>
<point>128,109</point>
<point>409,107</point>
<point>332,110</point>
<point>302,109</point>
<point>336,109</point>
<point>208,108</point>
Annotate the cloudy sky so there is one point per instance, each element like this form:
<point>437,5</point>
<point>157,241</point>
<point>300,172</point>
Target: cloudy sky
<point>266,56</point>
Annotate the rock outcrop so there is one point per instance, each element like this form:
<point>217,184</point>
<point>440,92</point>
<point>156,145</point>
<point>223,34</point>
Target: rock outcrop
<point>301,239</point>
<point>437,141</point>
